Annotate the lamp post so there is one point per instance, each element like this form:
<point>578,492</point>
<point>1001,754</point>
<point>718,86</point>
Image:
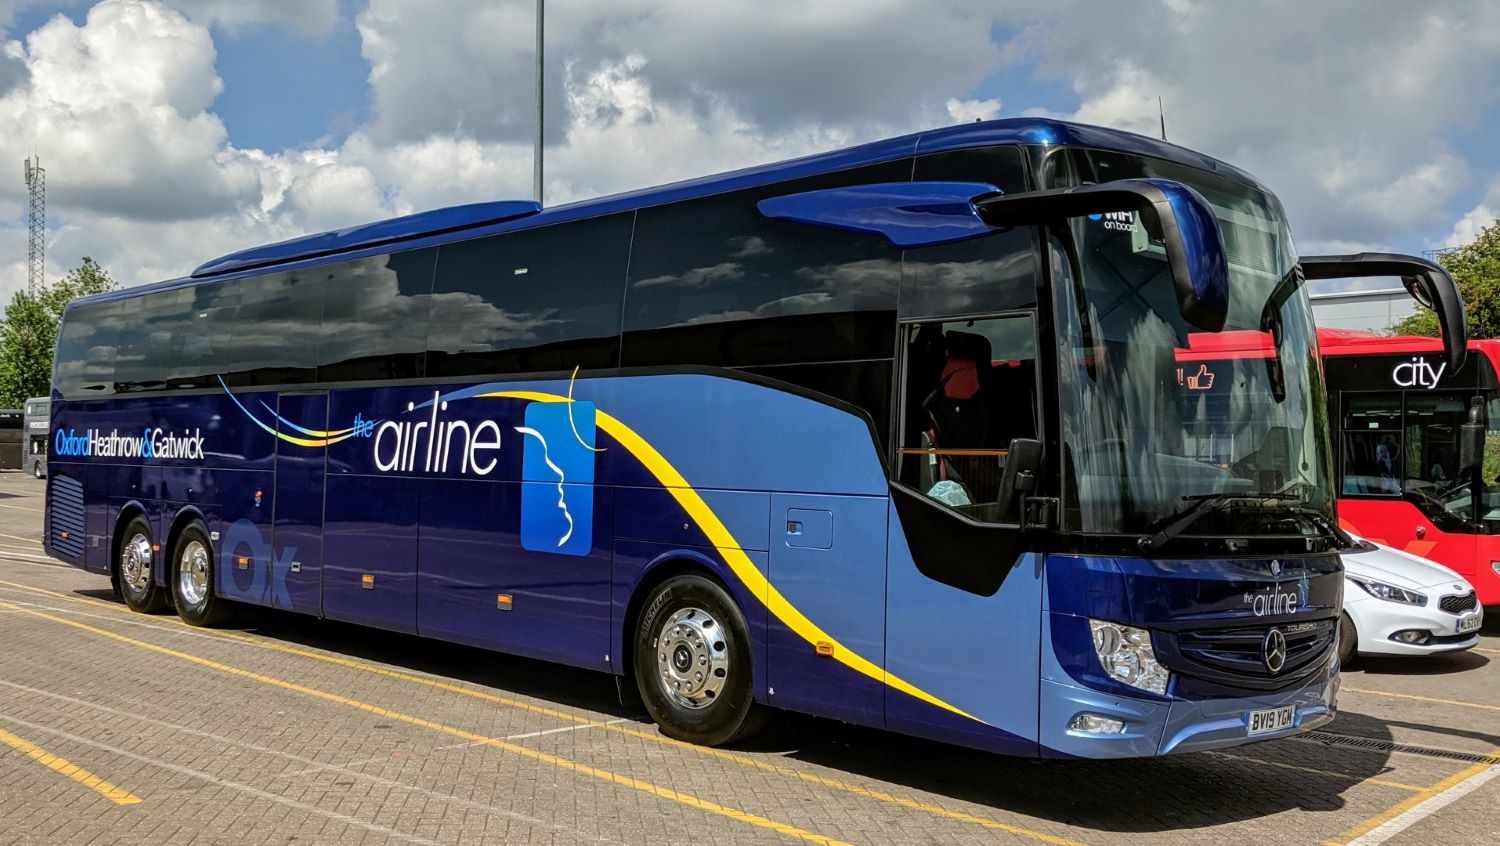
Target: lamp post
<point>536,176</point>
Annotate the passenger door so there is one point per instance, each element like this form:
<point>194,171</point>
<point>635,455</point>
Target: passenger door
<point>963,600</point>
<point>297,527</point>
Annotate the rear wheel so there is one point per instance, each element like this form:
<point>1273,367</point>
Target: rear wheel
<point>1348,640</point>
<point>692,663</point>
<point>192,580</point>
<point>133,569</point>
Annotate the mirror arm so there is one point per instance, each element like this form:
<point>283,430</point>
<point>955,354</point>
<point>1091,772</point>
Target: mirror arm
<point>1425,280</point>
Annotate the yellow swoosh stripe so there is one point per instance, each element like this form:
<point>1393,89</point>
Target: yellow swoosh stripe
<point>723,541</point>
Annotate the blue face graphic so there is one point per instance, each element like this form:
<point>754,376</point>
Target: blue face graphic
<point>557,472</point>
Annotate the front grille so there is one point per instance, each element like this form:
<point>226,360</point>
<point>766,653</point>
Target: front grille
<point>65,515</point>
<point>1458,603</point>
<point>1235,656</point>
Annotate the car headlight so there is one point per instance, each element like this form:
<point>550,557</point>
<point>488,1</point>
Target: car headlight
<point>1125,654</point>
<point>1390,593</point>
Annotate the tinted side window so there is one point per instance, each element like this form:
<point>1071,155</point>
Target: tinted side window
<point>86,351</point>
<point>375,317</point>
<point>199,346</point>
<point>276,329</point>
<point>713,282</point>
<point>537,300</point>
<point>146,324</point>
<point>864,384</point>
<point>994,273</point>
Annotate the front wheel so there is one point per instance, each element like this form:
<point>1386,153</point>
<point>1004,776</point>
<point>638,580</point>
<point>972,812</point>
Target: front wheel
<point>193,580</point>
<point>692,663</point>
<point>1348,640</point>
<point>133,569</point>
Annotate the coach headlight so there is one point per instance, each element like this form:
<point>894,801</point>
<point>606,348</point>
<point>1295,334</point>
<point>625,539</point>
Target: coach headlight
<point>1125,654</point>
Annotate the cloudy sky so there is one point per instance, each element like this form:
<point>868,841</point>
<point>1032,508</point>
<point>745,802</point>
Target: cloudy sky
<point>176,130</point>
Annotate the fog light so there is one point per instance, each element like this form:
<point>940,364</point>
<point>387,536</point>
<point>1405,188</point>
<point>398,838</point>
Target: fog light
<point>1095,724</point>
<point>1416,637</point>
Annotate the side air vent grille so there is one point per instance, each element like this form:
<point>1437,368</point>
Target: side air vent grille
<point>65,516</point>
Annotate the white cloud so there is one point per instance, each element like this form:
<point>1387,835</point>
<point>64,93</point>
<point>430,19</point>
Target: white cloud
<point>1483,215</point>
<point>1349,130</point>
<point>311,16</point>
<point>965,111</point>
<point>1342,107</point>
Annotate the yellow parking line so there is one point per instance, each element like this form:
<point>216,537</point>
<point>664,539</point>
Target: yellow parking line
<point>1483,649</point>
<point>114,794</point>
<point>32,541</point>
<point>385,713</point>
<point>1415,788</point>
<point>1459,702</point>
<point>734,757</point>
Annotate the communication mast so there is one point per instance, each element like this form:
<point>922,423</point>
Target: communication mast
<point>36,221</point>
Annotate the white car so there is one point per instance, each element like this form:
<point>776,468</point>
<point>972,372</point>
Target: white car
<point>1398,604</point>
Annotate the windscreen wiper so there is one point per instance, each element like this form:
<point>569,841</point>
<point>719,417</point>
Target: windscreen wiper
<point>1175,524</point>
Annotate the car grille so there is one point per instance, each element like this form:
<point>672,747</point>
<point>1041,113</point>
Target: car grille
<point>1235,656</point>
<point>1458,603</point>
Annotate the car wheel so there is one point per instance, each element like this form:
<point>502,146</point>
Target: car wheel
<point>692,663</point>
<point>133,569</point>
<point>1348,641</point>
<point>193,580</point>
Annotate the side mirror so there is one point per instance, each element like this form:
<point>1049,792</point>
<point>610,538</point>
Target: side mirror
<point>1022,463</point>
<point>1471,438</point>
<point>923,214</point>
<point>1428,283</point>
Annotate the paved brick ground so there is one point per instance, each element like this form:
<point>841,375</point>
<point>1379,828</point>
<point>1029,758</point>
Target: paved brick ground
<point>290,730</point>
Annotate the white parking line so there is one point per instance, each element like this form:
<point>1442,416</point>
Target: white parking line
<point>1424,809</point>
<point>467,744</point>
<point>391,783</point>
<point>222,782</point>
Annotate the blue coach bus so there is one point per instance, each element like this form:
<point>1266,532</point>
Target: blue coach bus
<point>895,435</point>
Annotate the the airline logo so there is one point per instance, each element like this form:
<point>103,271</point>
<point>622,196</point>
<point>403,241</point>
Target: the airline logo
<point>557,470</point>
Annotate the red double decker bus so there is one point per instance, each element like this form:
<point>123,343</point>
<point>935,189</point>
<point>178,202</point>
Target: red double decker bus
<point>1396,408</point>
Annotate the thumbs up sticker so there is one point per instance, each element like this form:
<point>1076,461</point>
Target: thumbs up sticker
<point>1202,380</point>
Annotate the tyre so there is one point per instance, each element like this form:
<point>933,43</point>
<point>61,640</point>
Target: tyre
<point>1348,641</point>
<point>192,579</point>
<point>692,663</point>
<point>133,569</point>
<point>36,469</point>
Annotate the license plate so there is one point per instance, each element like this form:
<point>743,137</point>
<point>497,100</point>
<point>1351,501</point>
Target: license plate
<point>1469,623</point>
<point>1269,720</point>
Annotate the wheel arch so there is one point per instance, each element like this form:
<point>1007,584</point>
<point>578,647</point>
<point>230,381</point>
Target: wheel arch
<point>678,562</point>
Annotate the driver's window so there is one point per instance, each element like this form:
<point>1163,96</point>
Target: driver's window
<point>970,388</point>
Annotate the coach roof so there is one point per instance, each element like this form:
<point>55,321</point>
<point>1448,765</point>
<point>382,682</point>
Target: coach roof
<point>469,221</point>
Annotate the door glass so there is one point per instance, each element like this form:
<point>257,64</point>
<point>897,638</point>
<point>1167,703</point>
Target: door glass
<point>970,389</point>
<point>1372,445</point>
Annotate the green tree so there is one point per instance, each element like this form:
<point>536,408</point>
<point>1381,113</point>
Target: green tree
<point>1476,269</point>
<point>28,333</point>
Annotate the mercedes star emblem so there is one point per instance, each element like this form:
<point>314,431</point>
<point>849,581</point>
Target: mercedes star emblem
<point>1273,650</point>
